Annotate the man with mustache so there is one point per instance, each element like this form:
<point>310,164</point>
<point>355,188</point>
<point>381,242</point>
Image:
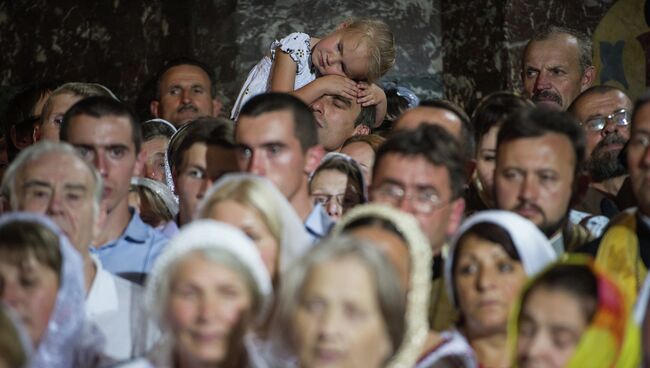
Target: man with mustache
<point>604,113</point>
<point>557,66</point>
<point>539,156</point>
<point>185,90</point>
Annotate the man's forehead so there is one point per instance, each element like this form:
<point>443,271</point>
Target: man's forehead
<point>184,73</point>
<point>42,166</point>
<point>602,103</point>
<point>556,50</point>
<point>410,170</point>
<point>549,150</point>
<point>108,130</point>
<point>274,126</point>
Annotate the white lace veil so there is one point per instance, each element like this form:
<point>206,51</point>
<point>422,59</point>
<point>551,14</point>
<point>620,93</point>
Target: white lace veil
<point>161,190</point>
<point>417,300</point>
<point>61,341</point>
<point>294,240</point>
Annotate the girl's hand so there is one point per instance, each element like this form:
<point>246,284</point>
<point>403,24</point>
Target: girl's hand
<point>370,94</point>
<point>338,85</point>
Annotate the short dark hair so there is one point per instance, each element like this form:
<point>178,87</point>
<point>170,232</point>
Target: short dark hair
<point>433,143</point>
<point>98,107</point>
<point>594,90</point>
<point>466,130</point>
<point>304,122</point>
<point>537,121</point>
<point>585,57</point>
<point>185,61</point>
<point>208,130</point>
<point>20,114</point>
<point>493,109</point>
<point>575,279</point>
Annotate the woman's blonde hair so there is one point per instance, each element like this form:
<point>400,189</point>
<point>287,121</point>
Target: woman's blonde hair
<point>380,41</point>
<point>252,194</point>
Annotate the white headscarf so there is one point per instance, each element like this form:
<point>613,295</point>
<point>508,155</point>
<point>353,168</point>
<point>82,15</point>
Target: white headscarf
<point>533,247</point>
<point>417,300</point>
<point>294,240</point>
<point>63,338</point>
<point>161,190</point>
<point>202,235</point>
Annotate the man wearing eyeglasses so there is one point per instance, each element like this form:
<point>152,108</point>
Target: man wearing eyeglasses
<point>422,172</point>
<point>604,114</point>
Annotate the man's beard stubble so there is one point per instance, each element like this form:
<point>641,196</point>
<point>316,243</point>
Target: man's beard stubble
<point>605,164</point>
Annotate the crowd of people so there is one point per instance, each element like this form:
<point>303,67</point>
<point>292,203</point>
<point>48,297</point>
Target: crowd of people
<point>329,220</point>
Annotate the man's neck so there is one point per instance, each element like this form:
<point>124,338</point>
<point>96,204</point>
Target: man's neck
<point>610,186</point>
<point>90,270</point>
<point>302,203</point>
<point>116,222</point>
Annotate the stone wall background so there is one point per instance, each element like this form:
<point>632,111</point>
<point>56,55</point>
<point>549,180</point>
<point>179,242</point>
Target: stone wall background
<point>473,46</point>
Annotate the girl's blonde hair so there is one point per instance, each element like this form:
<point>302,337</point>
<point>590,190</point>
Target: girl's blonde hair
<point>381,44</point>
<point>252,194</point>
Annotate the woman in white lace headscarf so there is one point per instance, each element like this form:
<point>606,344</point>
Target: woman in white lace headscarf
<point>205,291</point>
<point>398,234</point>
<point>50,303</point>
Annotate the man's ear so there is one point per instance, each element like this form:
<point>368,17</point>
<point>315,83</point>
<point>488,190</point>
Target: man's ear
<point>588,78</point>
<point>361,129</point>
<point>153,107</point>
<point>313,157</point>
<point>36,134</point>
<point>456,216</point>
<point>216,107</point>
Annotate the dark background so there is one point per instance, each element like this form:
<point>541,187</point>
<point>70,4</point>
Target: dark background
<point>459,49</point>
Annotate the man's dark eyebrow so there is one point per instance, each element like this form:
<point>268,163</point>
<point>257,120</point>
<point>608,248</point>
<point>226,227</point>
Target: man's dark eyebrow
<point>241,146</point>
<point>274,143</point>
<point>117,145</point>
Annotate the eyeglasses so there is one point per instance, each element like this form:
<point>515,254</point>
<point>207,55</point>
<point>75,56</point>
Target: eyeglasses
<point>423,201</point>
<point>620,117</point>
<point>342,200</point>
<point>327,198</point>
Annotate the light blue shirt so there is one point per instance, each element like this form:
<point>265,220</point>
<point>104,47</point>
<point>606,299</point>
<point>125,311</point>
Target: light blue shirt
<point>132,254</point>
<point>318,223</point>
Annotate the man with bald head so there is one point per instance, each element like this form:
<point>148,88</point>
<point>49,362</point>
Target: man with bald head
<point>557,66</point>
<point>443,113</point>
<point>604,114</point>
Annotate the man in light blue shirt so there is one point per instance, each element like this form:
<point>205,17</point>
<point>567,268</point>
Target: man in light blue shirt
<point>106,133</point>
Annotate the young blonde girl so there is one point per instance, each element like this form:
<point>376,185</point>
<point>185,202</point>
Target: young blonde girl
<point>346,62</point>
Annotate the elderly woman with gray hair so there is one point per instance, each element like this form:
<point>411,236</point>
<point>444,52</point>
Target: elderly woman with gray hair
<point>340,306</point>
<point>205,291</point>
